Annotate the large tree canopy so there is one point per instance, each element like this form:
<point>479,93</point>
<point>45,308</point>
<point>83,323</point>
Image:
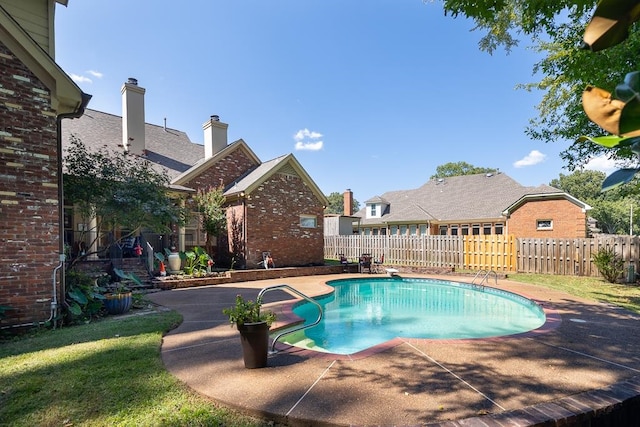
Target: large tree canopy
<point>121,191</point>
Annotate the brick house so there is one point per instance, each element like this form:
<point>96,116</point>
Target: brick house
<point>478,204</point>
<point>35,97</point>
<point>272,206</point>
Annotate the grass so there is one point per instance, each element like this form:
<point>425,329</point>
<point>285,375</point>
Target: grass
<point>593,288</point>
<point>104,373</point>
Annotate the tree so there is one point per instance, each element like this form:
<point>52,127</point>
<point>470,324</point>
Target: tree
<point>336,204</point>
<point>210,204</point>
<point>611,209</point>
<point>458,169</point>
<point>583,185</point>
<point>120,191</point>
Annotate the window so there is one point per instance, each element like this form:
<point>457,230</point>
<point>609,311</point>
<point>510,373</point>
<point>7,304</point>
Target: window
<point>423,229</point>
<point>373,210</point>
<point>413,229</point>
<point>403,230</point>
<point>475,229</point>
<point>464,229</point>
<point>375,231</point>
<point>486,229</point>
<point>454,230</point>
<point>499,227</point>
<point>393,230</point>
<point>544,224</point>
<point>308,221</point>
<point>443,230</point>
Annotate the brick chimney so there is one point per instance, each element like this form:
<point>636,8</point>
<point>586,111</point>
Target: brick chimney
<point>348,202</point>
<point>215,136</point>
<point>133,117</point>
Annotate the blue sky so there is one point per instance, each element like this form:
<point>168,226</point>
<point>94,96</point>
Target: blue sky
<point>370,95</point>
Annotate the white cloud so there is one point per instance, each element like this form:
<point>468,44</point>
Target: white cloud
<point>602,164</point>
<point>533,158</point>
<point>308,140</point>
<point>80,79</point>
<point>310,146</point>
<point>306,133</point>
<point>96,74</point>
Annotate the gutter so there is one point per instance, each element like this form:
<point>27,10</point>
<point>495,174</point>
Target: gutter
<point>73,115</point>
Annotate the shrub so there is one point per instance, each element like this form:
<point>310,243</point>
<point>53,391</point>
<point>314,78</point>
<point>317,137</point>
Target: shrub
<point>610,264</point>
<point>83,299</point>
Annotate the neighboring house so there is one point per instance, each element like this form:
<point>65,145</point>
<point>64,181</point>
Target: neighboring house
<point>478,204</point>
<point>342,224</point>
<point>272,206</point>
<point>35,97</point>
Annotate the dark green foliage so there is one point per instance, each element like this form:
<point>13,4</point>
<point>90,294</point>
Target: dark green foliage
<point>121,190</point>
<point>336,204</point>
<point>248,311</point>
<point>459,169</point>
<point>610,264</point>
<point>83,298</point>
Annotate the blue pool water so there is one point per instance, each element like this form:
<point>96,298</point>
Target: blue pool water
<point>362,313</point>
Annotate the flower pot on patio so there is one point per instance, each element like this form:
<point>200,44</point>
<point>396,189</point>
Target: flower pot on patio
<point>255,344</point>
<point>118,303</point>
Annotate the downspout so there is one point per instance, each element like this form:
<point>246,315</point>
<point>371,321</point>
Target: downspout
<point>61,259</point>
<point>54,294</point>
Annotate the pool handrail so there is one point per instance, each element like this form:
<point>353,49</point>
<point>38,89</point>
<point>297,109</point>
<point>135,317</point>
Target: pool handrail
<point>298,328</point>
<point>485,278</point>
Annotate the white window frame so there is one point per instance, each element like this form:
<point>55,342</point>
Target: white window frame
<point>308,221</point>
<point>544,224</point>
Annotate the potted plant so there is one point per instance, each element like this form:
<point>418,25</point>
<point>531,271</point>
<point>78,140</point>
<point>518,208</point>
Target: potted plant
<point>120,298</point>
<point>253,325</point>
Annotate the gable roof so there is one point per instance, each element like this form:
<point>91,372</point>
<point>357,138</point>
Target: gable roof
<point>169,149</point>
<point>202,164</point>
<point>173,151</point>
<point>66,96</point>
<point>457,198</point>
<point>283,164</point>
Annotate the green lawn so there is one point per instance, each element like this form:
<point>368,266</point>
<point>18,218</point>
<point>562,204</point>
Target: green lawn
<point>104,373</point>
<point>110,373</point>
<point>593,288</point>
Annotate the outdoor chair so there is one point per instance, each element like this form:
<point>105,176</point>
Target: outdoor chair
<point>365,262</point>
<point>378,263</point>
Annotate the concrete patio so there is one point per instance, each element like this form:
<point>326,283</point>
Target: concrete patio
<point>584,363</point>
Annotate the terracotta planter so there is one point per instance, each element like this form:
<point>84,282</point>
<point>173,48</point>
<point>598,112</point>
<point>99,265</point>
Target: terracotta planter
<point>118,303</point>
<point>255,344</point>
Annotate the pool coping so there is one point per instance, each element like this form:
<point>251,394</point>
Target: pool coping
<point>216,373</point>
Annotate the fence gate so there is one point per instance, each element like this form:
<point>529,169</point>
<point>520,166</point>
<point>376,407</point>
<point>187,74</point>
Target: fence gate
<point>490,252</point>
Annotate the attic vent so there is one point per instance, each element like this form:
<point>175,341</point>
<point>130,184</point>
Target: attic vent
<point>489,175</point>
<point>440,180</point>
<point>288,170</point>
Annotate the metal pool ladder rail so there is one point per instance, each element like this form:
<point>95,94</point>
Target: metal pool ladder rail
<point>485,278</point>
<point>296,329</point>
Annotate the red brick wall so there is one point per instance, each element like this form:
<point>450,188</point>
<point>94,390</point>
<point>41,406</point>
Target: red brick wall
<point>569,221</point>
<point>273,223</point>
<point>225,171</point>
<point>29,229</point>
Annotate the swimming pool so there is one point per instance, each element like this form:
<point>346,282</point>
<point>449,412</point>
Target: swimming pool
<point>363,313</point>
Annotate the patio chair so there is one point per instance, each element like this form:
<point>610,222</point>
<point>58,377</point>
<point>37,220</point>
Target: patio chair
<point>377,263</point>
<point>365,262</point>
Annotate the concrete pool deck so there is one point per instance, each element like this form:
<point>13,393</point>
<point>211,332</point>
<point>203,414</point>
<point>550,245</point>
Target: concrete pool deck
<point>587,363</point>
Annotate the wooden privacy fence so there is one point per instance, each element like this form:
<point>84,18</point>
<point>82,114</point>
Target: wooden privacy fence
<point>500,253</point>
